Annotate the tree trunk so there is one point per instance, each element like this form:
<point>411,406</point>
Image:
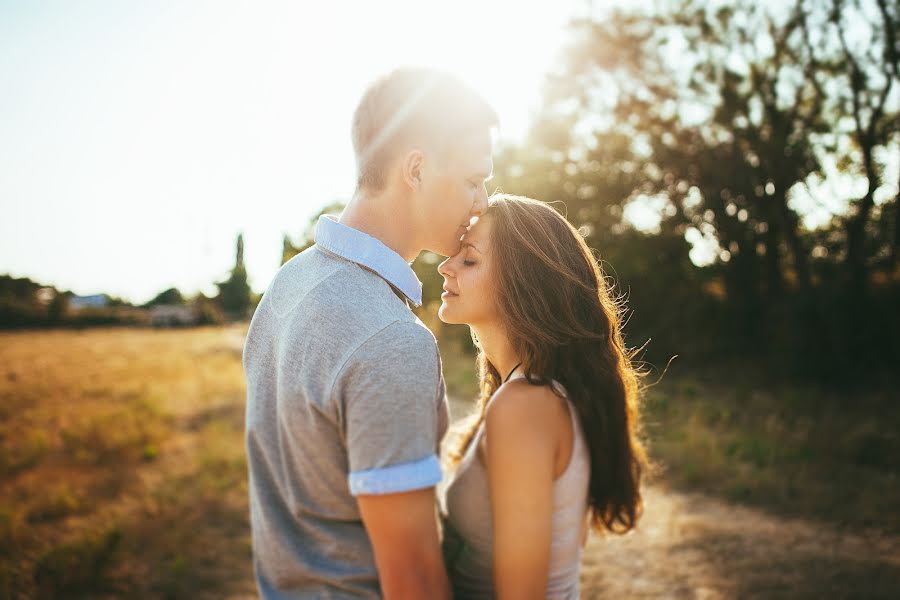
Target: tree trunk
<point>774,276</point>
<point>895,245</point>
<point>801,260</point>
<point>856,228</point>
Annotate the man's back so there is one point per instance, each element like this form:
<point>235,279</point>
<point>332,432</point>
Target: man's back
<point>344,397</point>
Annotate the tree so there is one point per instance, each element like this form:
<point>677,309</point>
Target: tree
<point>234,293</point>
<point>868,71</point>
<point>722,116</point>
<point>290,248</point>
<point>169,296</point>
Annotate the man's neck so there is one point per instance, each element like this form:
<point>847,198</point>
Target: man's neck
<point>383,218</point>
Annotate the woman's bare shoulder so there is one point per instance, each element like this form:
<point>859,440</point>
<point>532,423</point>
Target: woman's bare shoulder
<point>519,406</point>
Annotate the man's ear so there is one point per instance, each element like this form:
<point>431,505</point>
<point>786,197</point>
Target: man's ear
<point>412,165</point>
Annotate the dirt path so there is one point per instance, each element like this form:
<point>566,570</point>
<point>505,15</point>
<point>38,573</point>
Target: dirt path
<point>691,546</point>
<point>697,547</point>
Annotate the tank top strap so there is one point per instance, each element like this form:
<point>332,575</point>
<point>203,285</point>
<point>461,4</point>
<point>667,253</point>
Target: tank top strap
<point>557,386</point>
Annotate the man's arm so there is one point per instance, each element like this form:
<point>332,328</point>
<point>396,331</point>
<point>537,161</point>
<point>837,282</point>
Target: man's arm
<point>403,530</point>
<point>390,392</point>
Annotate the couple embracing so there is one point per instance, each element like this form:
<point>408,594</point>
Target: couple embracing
<point>346,404</point>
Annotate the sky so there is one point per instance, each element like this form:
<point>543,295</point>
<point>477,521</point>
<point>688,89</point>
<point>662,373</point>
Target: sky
<point>137,139</point>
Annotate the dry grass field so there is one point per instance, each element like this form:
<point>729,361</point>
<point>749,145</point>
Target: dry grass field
<point>122,475</point>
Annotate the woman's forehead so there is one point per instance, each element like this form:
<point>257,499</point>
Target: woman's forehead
<point>479,234</point>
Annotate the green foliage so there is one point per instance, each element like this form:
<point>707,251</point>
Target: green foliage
<point>292,247</point>
<point>235,293</point>
<point>19,305</point>
<point>721,119</point>
<point>725,121</point>
<point>207,310</point>
<point>25,303</point>
<point>169,296</point>
<point>795,447</point>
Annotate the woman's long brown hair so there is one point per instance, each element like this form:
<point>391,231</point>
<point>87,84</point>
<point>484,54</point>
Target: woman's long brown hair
<point>564,324</point>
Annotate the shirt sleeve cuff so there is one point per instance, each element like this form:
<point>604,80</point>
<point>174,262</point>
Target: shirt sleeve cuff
<point>404,477</point>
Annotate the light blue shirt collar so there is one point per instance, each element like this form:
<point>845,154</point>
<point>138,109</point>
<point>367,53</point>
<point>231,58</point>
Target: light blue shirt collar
<point>361,248</point>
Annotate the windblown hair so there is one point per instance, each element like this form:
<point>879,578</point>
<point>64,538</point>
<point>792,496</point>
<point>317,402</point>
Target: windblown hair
<point>563,323</point>
<point>411,107</point>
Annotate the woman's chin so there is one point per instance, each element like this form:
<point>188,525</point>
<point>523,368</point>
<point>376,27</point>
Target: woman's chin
<point>446,316</point>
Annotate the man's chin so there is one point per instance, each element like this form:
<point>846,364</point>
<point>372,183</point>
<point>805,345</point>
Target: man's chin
<point>445,247</point>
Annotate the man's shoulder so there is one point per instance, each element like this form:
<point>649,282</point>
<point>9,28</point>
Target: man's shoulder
<point>410,335</point>
<point>403,353</point>
<point>347,282</point>
<point>344,302</point>
<point>317,277</point>
<point>398,349</point>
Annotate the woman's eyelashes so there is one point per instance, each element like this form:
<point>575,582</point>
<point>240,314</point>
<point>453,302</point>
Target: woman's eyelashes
<point>469,263</point>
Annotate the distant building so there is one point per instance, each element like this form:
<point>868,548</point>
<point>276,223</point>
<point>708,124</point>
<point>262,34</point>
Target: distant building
<point>172,315</point>
<point>95,301</point>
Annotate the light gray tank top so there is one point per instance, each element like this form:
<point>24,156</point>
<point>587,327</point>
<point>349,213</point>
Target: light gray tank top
<point>468,525</point>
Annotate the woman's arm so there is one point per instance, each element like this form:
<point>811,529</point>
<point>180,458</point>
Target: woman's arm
<point>522,447</point>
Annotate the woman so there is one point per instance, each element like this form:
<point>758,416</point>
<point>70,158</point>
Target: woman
<point>553,447</point>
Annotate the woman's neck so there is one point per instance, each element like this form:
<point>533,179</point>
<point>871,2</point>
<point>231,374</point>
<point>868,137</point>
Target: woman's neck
<point>495,345</point>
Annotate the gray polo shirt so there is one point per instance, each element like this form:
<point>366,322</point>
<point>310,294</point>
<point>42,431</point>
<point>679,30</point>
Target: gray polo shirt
<point>345,396</point>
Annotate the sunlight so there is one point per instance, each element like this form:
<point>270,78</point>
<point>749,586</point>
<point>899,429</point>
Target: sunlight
<point>500,48</point>
<point>199,122</point>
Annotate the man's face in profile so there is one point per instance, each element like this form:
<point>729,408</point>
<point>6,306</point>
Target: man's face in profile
<point>455,191</point>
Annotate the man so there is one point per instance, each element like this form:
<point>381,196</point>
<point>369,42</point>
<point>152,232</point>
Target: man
<point>345,396</point>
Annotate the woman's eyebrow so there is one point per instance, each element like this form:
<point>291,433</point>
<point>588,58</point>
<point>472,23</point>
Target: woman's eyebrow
<point>470,244</point>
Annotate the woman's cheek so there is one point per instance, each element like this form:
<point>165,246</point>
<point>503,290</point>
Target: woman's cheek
<point>483,288</point>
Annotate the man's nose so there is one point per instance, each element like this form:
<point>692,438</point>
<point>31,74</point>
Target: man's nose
<point>480,204</point>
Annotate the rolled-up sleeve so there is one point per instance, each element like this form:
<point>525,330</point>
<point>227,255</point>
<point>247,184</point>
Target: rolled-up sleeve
<point>390,390</point>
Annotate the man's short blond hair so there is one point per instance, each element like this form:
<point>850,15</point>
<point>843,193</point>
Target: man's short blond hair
<point>412,107</point>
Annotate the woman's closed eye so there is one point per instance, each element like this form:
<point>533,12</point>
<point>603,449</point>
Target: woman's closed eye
<point>469,263</point>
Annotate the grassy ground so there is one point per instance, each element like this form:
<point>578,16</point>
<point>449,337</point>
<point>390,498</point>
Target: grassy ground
<point>122,469</point>
<point>799,449</point>
<point>121,453</point>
